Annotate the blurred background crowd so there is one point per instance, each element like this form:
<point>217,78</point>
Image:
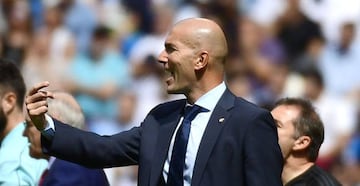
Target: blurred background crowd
<point>104,53</point>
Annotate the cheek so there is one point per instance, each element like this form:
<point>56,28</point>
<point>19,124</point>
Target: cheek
<point>34,136</point>
<point>283,137</point>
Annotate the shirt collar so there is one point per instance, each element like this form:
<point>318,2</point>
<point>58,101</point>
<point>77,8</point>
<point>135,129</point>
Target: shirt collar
<point>210,99</point>
<point>51,161</point>
<point>13,135</point>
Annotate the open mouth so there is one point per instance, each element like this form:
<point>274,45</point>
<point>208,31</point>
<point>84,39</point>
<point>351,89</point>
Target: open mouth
<point>169,77</point>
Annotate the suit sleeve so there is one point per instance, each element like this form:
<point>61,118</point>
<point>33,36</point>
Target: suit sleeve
<point>263,158</point>
<point>92,150</point>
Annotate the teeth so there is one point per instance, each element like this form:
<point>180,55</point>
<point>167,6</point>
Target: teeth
<point>168,74</point>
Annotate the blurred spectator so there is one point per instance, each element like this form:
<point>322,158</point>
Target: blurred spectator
<point>97,76</point>
<point>331,15</point>
<point>51,52</point>
<point>141,22</point>
<point>81,20</point>
<point>263,12</point>
<point>120,176</point>
<point>310,58</point>
<point>36,62</point>
<point>36,12</point>
<point>3,23</point>
<point>15,41</point>
<point>339,117</point>
<point>339,63</point>
<point>295,30</point>
<point>38,65</point>
<point>251,39</point>
<point>61,44</point>
<point>238,81</point>
<point>126,105</point>
<point>189,9</point>
<point>350,172</point>
<point>16,165</point>
<point>145,68</point>
<point>263,57</point>
<point>226,14</point>
<point>111,14</point>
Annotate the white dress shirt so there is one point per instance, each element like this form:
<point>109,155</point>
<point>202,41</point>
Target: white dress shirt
<point>198,125</point>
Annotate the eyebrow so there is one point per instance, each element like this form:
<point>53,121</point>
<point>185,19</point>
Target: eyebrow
<point>169,45</point>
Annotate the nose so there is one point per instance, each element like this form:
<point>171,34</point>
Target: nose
<point>162,58</point>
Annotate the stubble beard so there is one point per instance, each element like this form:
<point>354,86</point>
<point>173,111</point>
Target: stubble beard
<point>3,121</point>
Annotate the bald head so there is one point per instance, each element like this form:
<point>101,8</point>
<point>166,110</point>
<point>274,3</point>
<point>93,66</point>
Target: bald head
<point>193,57</point>
<point>65,108</point>
<point>203,35</point>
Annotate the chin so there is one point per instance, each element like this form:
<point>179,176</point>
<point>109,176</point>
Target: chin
<point>174,91</point>
<point>35,154</point>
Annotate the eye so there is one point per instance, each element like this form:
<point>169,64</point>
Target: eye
<point>169,48</point>
<point>277,123</point>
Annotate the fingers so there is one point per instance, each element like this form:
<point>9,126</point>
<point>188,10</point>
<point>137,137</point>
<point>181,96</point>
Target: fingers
<point>37,87</point>
<point>37,111</point>
<point>36,105</point>
<point>38,96</point>
<point>48,94</point>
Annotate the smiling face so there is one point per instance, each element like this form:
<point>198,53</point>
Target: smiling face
<point>284,116</point>
<point>178,59</point>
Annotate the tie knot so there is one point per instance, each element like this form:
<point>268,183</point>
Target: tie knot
<point>191,111</point>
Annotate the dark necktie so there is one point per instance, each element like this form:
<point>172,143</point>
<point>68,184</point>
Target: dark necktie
<point>43,175</point>
<point>177,162</point>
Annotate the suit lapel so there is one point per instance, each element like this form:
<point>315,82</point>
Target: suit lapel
<point>166,129</point>
<point>214,127</point>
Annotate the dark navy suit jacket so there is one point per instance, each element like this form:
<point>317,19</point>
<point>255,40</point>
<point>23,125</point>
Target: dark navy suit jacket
<point>66,173</point>
<point>239,146</point>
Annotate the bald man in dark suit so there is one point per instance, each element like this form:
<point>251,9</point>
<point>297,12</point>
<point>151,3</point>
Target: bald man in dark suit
<point>210,138</point>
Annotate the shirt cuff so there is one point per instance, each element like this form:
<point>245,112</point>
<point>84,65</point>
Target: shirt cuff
<point>49,123</point>
<point>49,131</point>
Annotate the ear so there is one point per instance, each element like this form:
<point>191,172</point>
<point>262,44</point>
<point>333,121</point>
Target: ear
<point>302,143</point>
<point>8,102</point>
<point>202,60</point>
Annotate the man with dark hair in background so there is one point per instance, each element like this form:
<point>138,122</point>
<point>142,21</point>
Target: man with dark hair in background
<point>301,133</point>
<point>16,165</point>
<point>338,114</point>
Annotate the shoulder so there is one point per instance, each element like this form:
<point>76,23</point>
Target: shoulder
<point>67,173</point>
<point>322,178</point>
<point>315,176</point>
<point>168,107</point>
<point>64,168</point>
<point>247,109</point>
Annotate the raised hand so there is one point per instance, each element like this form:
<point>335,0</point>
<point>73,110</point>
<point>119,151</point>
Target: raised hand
<point>36,104</point>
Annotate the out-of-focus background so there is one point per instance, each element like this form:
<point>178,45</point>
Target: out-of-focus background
<point>104,52</point>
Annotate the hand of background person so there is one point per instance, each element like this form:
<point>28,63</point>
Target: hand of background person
<point>37,105</point>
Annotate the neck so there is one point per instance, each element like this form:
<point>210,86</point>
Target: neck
<point>14,119</point>
<point>199,91</point>
<point>293,167</point>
